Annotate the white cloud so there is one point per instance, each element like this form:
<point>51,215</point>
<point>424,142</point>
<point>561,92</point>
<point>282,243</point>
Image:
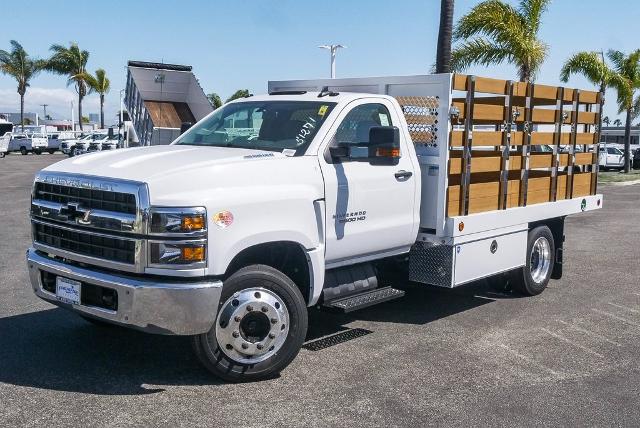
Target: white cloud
<point>58,102</point>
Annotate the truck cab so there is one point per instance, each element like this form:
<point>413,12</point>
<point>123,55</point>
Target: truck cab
<point>301,198</point>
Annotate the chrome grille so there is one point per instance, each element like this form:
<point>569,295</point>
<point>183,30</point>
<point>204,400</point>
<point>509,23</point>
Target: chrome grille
<point>88,198</point>
<point>91,220</point>
<point>119,250</point>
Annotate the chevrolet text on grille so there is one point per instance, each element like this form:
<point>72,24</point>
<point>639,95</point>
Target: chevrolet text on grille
<point>78,183</point>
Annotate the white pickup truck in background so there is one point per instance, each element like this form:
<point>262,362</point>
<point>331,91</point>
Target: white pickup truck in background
<point>305,197</point>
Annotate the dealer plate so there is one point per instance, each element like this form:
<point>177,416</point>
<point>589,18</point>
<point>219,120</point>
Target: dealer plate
<point>68,290</point>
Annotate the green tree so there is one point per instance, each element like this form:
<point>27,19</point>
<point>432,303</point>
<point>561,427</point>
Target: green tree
<point>214,99</point>
<point>85,119</point>
<point>101,85</point>
<point>17,64</point>
<point>617,122</point>
<point>240,93</point>
<point>494,32</point>
<point>592,66</point>
<point>71,62</point>
<point>443,55</point>
<point>606,120</point>
<point>626,81</point>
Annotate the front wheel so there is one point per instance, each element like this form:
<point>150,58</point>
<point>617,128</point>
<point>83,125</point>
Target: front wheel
<point>74,152</point>
<point>38,152</point>
<point>51,151</point>
<point>534,277</point>
<point>260,327</point>
<point>24,151</point>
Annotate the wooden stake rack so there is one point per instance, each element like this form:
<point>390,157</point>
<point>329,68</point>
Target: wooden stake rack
<point>514,144</point>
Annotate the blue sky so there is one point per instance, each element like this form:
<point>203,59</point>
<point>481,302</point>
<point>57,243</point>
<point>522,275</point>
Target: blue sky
<point>244,43</point>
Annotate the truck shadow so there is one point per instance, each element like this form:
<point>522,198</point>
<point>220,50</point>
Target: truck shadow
<point>54,349</point>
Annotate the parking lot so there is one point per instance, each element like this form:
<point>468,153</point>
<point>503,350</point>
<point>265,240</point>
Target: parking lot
<point>469,356</point>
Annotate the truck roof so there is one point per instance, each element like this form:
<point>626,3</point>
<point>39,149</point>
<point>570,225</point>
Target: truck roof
<point>312,96</point>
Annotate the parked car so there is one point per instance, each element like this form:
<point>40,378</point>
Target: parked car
<point>39,143</point>
<point>6,128</point>
<point>610,158</point>
<point>54,143</point>
<point>79,146</point>
<point>111,143</point>
<point>20,142</point>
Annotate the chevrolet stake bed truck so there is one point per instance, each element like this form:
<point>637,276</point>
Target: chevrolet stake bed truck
<point>303,197</point>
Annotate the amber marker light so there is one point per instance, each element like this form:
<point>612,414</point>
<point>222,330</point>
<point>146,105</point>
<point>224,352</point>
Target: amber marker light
<point>193,223</point>
<point>461,226</point>
<point>193,254</point>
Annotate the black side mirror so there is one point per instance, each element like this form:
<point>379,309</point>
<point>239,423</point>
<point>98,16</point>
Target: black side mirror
<point>185,126</point>
<point>384,145</point>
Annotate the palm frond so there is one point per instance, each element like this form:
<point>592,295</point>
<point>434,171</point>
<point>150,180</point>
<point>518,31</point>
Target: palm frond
<point>491,18</point>
<point>478,51</point>
<point>532,11</point>
<point>588,64</point>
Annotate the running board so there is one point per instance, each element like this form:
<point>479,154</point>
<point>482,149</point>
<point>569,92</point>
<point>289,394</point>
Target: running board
<point>363,300</point>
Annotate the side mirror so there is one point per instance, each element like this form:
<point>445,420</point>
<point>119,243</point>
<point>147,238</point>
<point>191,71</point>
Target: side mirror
<point>185,126</point>
<point>384,145</point>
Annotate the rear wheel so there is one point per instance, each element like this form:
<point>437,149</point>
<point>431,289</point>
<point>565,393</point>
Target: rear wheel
<point>37,152</point>
<point>51,151</point>
<point>23,151</point>
<point>260,327</point>
<point>534,277</point>
<point>2,154</point>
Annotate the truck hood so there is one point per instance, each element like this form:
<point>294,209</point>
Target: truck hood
<point>180,175</point>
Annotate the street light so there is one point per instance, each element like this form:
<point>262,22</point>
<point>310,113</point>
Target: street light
<point>333,49</point>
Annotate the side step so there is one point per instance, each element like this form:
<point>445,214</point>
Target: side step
<point>363,300</point>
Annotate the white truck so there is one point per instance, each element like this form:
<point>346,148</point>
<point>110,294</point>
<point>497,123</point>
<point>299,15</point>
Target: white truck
<point>304,198</point>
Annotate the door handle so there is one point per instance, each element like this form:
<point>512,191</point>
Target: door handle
<point>403,175</point>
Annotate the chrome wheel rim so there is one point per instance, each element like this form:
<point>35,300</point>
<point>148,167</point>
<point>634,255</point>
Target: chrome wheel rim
<point>252,325</point>
<point>540,262</point>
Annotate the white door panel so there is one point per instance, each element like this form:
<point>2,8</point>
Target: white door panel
<point>369,209</point>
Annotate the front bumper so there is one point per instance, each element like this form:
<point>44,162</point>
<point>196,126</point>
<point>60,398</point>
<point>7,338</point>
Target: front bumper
<point>144,303</point>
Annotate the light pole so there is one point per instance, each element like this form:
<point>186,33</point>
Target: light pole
<point>333,49</point>
<point>121,125</point>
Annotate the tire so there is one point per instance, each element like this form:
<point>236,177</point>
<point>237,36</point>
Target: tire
<point>23,151</point>
<point>38,152</point>
<point>2,154</point>
<point>272,338</point>
<point>534,277</point>
<point>74,152</point>
<point>51,151</point>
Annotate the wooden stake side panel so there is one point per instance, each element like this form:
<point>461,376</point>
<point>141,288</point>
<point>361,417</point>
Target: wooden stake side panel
<point>542,175</point>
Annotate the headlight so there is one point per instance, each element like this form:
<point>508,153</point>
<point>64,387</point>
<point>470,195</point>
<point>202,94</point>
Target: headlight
<point>178,253</point>
<point>176,221</point>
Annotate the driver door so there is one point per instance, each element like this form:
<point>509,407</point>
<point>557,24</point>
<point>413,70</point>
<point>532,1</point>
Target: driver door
<point>369,208</point>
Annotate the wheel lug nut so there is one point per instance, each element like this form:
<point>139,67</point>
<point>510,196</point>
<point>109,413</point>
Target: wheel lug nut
<point>249,308</point>
<point>245,346</point>
<point>237,318</point>
<point>274,320</point>
<point>235,334</point>
<point>259,346</point>
<point>265,309</point>
<point>272,335</point>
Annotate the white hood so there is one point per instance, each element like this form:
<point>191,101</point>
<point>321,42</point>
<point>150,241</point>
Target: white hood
<point>184,175</point>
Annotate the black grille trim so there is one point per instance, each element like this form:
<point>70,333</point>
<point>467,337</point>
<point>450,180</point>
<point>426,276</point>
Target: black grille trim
<point>89,198</point>
<point>103,247</point>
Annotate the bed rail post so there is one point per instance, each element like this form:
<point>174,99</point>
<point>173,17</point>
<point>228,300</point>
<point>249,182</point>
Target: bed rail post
<point>526,146</point>
<point>572,142</point>
<point>506,146</point>
<point>557,139</point>
<point>468,143</point>
<point>595,164</point>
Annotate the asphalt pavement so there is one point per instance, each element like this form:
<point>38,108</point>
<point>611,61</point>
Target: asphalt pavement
<point>463,357</point>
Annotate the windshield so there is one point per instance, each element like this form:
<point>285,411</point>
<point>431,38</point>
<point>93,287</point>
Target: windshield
<point>261,125</point>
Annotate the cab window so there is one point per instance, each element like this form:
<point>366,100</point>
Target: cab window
<point>355,127</point>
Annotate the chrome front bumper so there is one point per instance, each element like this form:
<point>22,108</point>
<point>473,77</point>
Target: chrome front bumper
<point>144,303</point>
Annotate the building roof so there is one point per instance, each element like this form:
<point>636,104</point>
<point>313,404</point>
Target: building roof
<point>159,66</point>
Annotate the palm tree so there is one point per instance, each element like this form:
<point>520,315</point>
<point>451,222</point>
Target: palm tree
<point>71,62</point>
<point>626,80</point>
<point>494,32</point>
<point>214,99</point>
<point>443,56</point>
<point>100,84</point>
<point>21,67</point>
<point>606,120</point>
<point>617,122</point>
